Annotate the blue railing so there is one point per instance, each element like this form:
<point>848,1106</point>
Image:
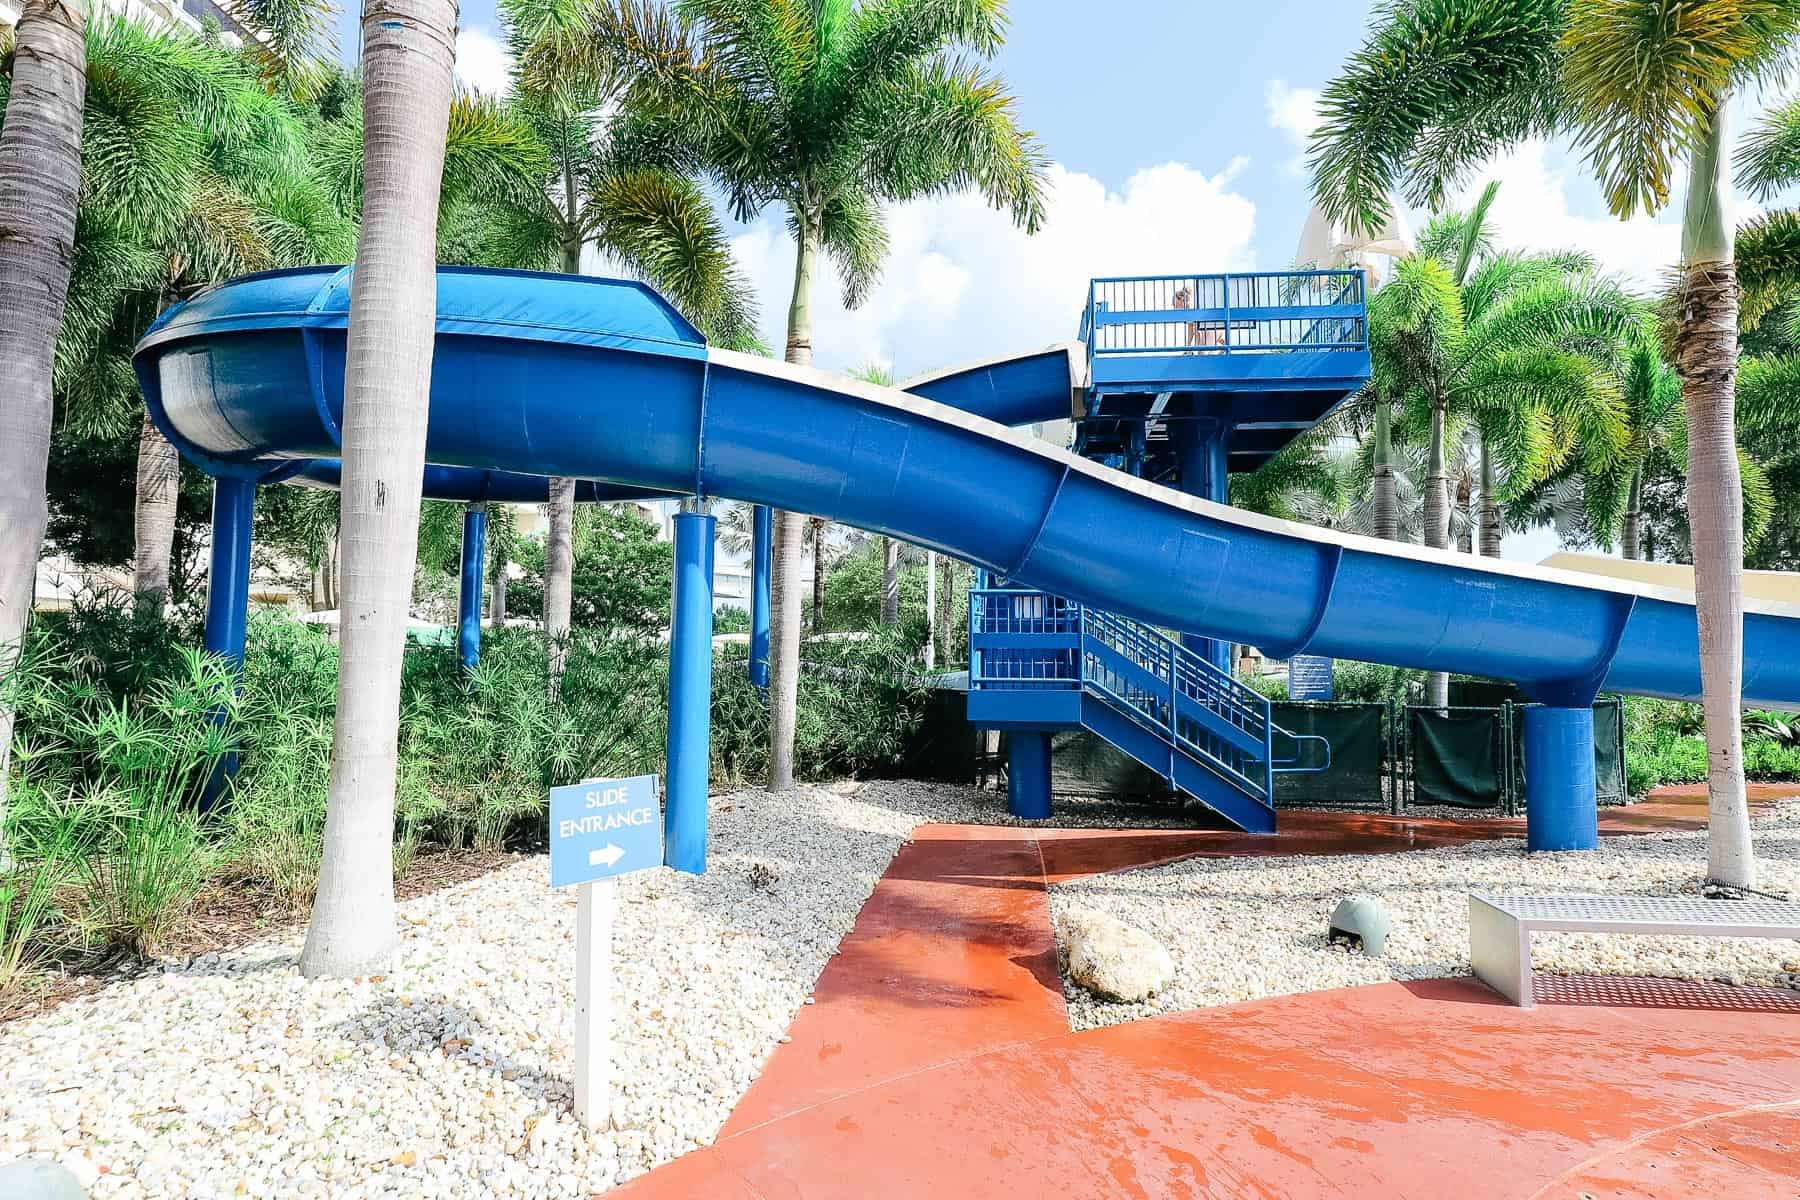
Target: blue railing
<point>1032,641</point>
<point>1253,313</point>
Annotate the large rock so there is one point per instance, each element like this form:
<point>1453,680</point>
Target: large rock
<point>38,1179</point>
<point>1111,959</point>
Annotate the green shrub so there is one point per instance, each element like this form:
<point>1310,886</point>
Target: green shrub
<point>1373,683</point>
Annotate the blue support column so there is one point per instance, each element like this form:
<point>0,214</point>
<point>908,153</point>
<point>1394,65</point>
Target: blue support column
<point>468,600</point>
<point>690,695</point>
<point>1203,451</point>
<point>228,595</point>
<point>761,559</point>
<point>228,577</point>
<point>1028,774</point>
<point>1561,811</point>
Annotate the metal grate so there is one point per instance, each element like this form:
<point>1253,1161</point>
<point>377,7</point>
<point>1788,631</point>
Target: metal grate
<point>1674,911</point>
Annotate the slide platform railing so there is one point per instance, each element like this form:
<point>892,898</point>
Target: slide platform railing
<point>1032,642</point>
<point>1251,313</point>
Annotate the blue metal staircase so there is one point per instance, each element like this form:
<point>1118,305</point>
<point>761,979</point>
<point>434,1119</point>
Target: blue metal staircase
<point>1039,662</point>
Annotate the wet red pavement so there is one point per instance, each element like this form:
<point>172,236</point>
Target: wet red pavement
<point>937,1060</point>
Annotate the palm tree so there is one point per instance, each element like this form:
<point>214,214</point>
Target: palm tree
<point>830,110</point>
<point>1613,499</point>
<point>1508,350</point>
<point>192,173</point>
<point>408,52</point>
<point>1440,86</point>
<point>40,183</point>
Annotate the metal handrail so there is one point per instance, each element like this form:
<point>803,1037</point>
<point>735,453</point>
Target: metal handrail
<point>1056,648</point>
<point>1249,312</point>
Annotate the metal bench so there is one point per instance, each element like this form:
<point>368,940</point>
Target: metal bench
<point>1500,927</point>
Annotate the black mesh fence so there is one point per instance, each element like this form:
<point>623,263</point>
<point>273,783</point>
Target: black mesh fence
<point>1358,734</point>
<point>1459,757</point>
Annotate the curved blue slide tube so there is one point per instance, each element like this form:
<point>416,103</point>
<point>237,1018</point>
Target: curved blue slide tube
<point>602,380</point>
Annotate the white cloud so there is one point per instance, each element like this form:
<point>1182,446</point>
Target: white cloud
<point>482,61</point>
<point>962,283</point>
<point>1294,111</point>
<point>1533,211</point>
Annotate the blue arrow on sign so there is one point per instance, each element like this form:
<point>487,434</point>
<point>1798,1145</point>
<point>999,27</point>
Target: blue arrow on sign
<point>604,827</point>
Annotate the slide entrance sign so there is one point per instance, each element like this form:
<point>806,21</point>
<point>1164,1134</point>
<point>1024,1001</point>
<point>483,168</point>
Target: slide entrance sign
<point>604,827</point>
<point>599,829</point>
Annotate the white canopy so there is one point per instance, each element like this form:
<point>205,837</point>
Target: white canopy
<point>1326,243</point>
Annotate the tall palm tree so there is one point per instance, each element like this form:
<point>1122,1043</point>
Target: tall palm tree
<point>409,47</point>
<point>1441,85</point>
<point>1508,350</point>
<point>192,173</point>
<point>40,182</point>
<point>831,110</point>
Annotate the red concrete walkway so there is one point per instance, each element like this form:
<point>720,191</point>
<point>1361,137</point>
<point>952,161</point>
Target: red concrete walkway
<point>937,1060</point>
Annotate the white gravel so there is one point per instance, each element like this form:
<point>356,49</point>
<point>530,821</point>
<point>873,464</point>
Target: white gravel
<point>449,1075</point>
<point>1243,929</point>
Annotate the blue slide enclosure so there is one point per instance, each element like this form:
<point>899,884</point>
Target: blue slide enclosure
<point>539,375</point>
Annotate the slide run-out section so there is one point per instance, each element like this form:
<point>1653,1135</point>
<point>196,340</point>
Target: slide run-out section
<point>601,380</point>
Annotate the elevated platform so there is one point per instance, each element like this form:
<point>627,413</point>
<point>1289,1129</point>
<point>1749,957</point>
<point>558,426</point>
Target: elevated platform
<point>1250,360</point>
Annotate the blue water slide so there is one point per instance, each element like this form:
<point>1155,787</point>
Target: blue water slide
<point>602,380</point>
<point>473,486</point>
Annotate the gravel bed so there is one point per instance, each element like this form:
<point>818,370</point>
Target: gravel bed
<point>1243,929</point>
<point>449,1075</point>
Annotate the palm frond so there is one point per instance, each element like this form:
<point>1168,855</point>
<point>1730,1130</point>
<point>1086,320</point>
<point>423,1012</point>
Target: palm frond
<point>1768,263</point>
<point>1436,88</point>
<point>290,44</point>
<point>1647,76</point>
<point>855,235</point>
<point>1769,154</point>
<point>664,226</point>
<point>946,126</point>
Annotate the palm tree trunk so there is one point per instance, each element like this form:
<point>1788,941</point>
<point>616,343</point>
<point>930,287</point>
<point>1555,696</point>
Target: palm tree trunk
<point>790,537</point>
<point>945,597</point>
<point>1437,532</point>
<point>409,46</point>
<point>1706,360</point>
<point>890,581</point>
<point>1465,504</point>
<point>1631,527</point>
<point>559,545</point>
<point>158,489</point>
<point>497,608</point>
<point>1491,529</point>
<point>1387,498</point>
<point>559,576</point>
<point>40,185</point>
<point>819,526</point>
<point>325,579</point>
<point>931,591</point>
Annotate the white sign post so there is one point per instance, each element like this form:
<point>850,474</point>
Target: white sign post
<point>599,829</point>
<point>594,907</point>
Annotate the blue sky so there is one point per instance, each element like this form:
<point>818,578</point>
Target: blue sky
<point>1177,129</point>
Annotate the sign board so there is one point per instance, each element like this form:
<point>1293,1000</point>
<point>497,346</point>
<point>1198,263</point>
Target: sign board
<point>604,827</point>
<point>1309,677</point>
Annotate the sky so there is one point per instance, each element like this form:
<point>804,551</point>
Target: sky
<point>1177,130</point>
